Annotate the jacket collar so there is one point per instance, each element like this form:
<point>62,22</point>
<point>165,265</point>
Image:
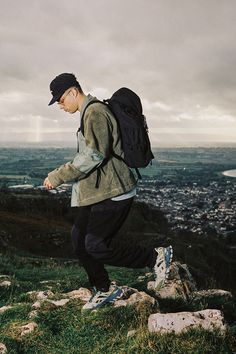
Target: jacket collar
<point>87,99</point>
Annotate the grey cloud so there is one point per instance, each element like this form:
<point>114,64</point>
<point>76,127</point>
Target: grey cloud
<point>179,53</point>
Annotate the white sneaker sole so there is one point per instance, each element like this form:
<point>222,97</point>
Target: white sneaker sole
<point>163,269</point>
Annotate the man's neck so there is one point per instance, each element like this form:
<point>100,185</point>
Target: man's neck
<point>81,98</point>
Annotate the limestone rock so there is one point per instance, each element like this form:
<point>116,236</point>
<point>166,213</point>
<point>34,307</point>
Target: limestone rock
<point>33,314</point>
<point>5,283</point>
<point>131,333</point>
<point>139,297</point>
<point>46,281</point>
<point>135,299</point>
<point>145,277</point>
<point>39,295</point>
<point>173,289</point>
<point>127,291</point>
<point>36,305</point>
<point>5,308</point>
<point>183,321</point>
<point>59,303</point>
<point>28,328</point>
<point>180,283</point>
<point>82,294</point>
<point>151,285</point>
<point>211,293</point>
<point>49,283</point>
<point>120,303</point>
<point>180,271</point>
<point>50,304</point>
<point>3,348</point>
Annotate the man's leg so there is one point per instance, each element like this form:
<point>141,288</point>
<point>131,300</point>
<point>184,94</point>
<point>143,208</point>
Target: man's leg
<point>97,274</point>
<point>105,220</point>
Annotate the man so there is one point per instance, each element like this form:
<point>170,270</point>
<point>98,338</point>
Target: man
<point>103,190</point>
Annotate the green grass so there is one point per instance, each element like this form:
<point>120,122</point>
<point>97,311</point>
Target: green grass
<point>67,331</point>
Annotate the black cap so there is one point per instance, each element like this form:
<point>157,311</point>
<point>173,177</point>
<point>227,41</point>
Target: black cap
<point>60,84</point>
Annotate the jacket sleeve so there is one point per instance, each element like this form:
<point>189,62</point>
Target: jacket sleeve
<point>97,133</point>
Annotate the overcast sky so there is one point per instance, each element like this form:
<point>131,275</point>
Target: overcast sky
<point>178,55</point>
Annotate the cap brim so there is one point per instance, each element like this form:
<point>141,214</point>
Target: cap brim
<point>55,99</point>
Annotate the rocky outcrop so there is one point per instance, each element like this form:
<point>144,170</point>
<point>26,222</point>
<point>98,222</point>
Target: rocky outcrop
<point>33,314</point>
<point>5,308</point>
<point>131,333</point>
<point>183,321</point>
<point>180,283</point>
<point>5,283</point>
<point>210,294</point>
<point>39,295</point>
<point>50,304</point>
<point>3,349</point>
<point>82,294</point>
<point>135,299</point>
<point>28,328</point>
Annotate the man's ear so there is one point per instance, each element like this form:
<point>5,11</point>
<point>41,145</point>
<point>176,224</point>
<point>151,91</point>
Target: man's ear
<point>75,92</point>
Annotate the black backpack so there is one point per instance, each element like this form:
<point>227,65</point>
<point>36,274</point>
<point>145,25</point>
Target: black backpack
<point>127,108</point>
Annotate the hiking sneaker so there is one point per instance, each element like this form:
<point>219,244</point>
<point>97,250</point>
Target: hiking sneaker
<point>162,265</point>
<point>101,298</point>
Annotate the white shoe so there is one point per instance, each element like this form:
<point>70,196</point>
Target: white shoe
<point>162,266</point>
<point>101,298</point>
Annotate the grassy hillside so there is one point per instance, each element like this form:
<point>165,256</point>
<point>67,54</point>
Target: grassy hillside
<point>40,224</point>
<point>66,330</point>
<point>35,247</point>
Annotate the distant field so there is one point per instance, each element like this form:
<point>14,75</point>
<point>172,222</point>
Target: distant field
<point>13,176</point>
<point>33,164</point>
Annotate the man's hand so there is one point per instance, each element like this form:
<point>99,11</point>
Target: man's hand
<point>47,184</point>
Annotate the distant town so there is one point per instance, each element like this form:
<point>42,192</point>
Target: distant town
<point>189,185</point>
<point>194,207</point>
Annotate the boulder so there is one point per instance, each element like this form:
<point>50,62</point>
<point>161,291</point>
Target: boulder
<point>3,349</point>
<point>211,294</point>
<point>5,283</point>
<point>151,285</point>
<point>59,303</point>
<point>48,284</point>
<point>120,303</point>
<point>145,277</point>
<point>39,295</point>
<point>36,305</point>
<point>28,328</point>
<point>139,297</point>
<point>180,283</point>
<point>131,333</point>
<point>50,304</point>
<point>136,298</point>
<point>184,321</point>
<point>33,314</point>
<point>5,308</point>
<point>82,294</point>
<point>127,291</point>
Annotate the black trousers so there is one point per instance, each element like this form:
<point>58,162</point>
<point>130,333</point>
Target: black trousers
<point>95,244</point>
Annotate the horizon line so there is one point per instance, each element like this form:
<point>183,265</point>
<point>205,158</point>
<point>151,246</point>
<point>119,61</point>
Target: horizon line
<point>59,144</point>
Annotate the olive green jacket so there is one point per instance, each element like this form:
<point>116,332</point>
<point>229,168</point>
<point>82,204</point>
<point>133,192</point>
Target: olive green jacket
<point>101,136</point>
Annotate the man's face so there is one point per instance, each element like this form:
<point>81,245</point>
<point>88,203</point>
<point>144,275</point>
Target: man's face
<point>68,101</point>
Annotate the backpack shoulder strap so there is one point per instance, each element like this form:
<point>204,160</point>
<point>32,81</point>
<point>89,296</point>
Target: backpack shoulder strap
<point>81,128</point>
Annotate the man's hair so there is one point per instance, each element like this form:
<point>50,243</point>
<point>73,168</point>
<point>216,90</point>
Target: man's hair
<point>78,87</point>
